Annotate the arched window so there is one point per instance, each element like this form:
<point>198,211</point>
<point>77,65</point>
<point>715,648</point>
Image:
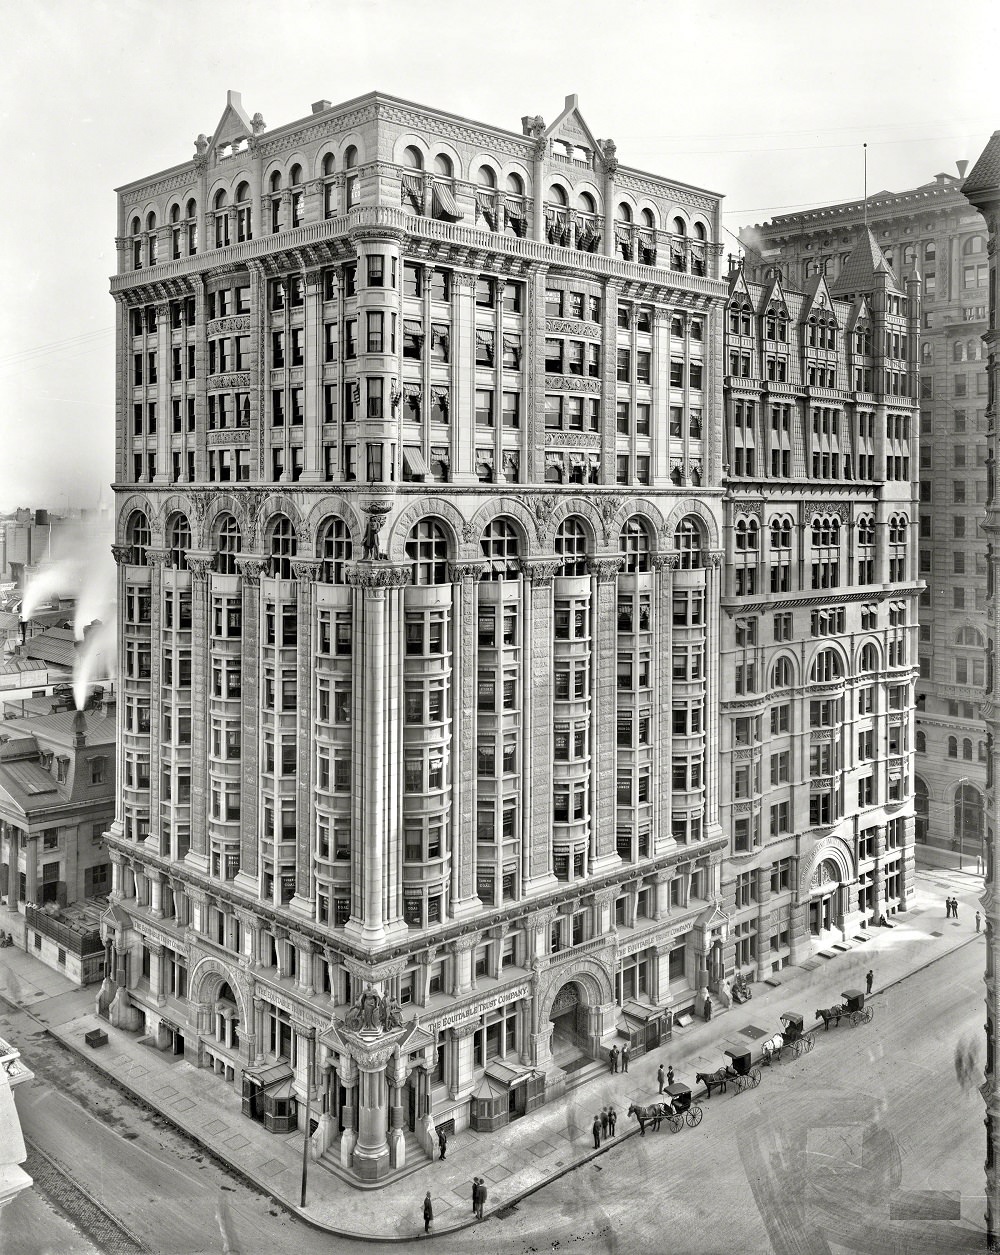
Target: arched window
<point>283,547</point>
<point>557,195</point>
<point>571,546</point>
<point>679,226</point>
<point>444,167</point>
<point>178,540</point>
<point>486,176</point>
<point>781,534</point>
<point>921,808</point>
<point>427,549</point>
<point>782,674</point>
<point>634,543</point>
<point>921,743</point>
<point>747,535</point>
<point>515,184</point>
<point>335,548</point>
<point>968,815</point>
<point>689,541</point>
<point>953,747</point>
<point>501,548</point>
<point>868,659</point>
<point>137,535</point>
<point>827,667</point>
<point>229,542</point>
<point>413,158</point>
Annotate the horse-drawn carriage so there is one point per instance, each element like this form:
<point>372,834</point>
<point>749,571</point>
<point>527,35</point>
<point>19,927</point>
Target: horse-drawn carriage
<point>747,1076</point>
<point>792,1036</point>
<point>678,1111</point>
<point>853,1008</point>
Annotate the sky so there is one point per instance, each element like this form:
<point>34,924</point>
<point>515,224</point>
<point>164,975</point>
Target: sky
<point>766,101</point>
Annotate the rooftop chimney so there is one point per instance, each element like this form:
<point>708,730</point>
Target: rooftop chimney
<point>79,730</point>
<point>962,167</point>
<point>320,105</point>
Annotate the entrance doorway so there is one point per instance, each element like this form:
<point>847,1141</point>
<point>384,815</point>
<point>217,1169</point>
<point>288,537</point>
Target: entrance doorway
<point>569,1028</point>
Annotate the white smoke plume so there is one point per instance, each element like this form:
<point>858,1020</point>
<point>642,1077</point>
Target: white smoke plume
<point>80,566</point>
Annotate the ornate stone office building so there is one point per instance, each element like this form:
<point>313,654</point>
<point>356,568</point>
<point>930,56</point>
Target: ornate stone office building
<point>932,232</point>
<point>420,549</point>
<point>983,190</point>
<point>819,607</point>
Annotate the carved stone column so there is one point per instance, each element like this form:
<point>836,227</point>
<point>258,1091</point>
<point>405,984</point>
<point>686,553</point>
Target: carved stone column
<point>464,676</point>
<point>250,570</point>
<point>536,819</point>
<point>603,713</point>
<point>377,740</point>
<point>306,573</point>
<point>200,565</point>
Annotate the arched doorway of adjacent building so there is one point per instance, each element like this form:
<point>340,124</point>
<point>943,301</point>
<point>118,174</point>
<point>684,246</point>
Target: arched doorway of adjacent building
<point>569,1026</point>
<point>823,900</point>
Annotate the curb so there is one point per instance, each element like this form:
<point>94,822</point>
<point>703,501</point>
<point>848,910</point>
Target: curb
<point>508,1203</point>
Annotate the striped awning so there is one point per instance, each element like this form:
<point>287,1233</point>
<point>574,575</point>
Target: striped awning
<point>445,205</point>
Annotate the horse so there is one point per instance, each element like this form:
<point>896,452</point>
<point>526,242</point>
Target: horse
<point>653,1114</point>
<point>826,1014</point>
<point>772,1048</point>
<point>719,1078</point>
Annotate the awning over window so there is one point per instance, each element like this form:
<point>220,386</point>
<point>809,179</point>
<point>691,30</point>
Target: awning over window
<point>414,461</point>
<point>445,205</point>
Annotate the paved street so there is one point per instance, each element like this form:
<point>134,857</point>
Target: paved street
<point>763,1169</point>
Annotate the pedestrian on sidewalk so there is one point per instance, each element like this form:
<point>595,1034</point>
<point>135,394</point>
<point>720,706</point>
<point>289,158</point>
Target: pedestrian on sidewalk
<point>979,920</point>
<point>442,1142</point>
<point>612,1120</point>
<point>475,1196</point>
<point>428,1212</point>
<point>869,978</point>
<point>604,1123</point>
<point>670,1075</point>
<point>482,1197</point>
<point>596,1130</point>
<point>625,1057</point>
<point>613,1059</point>
<point>659,1077</point>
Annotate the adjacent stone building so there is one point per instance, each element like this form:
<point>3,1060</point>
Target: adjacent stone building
<point>932,233</point>
<point>983,191</point>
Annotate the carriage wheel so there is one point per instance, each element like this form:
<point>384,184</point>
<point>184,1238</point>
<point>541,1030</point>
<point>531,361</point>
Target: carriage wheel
<point>869,1012</point>
<point>676,1123</point>
<point>693,1116</point>
<point>754,1077</point>
<point>857,1017</point>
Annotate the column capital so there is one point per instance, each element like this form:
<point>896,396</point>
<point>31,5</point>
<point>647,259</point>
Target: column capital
<point>540,570</point>
<point>461,571</point>
<point>200,564</point>
<point>306,570</point>
<point>377,574</point>
<point>606,569</point>
<point>250,569</point>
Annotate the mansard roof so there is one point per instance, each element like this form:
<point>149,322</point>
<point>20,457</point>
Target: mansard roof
<point>866,260</point>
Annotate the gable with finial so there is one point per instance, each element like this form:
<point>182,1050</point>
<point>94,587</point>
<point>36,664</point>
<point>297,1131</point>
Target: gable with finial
<point>818,302</point>
<point>774,294</point>
<point>570,129</point>
<point>234,125</point>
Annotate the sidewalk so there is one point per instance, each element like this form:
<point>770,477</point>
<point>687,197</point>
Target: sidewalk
<point>518,1159</point>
